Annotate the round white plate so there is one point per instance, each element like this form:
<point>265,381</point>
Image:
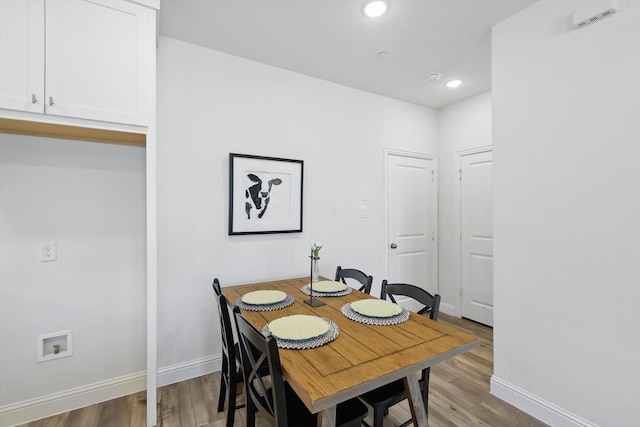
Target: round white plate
<point>298,327</point>
<point>328,286</point>
<point>263,297</point>
<point>376,308</point>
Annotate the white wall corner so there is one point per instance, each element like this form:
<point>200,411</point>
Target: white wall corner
<point>535,406</point>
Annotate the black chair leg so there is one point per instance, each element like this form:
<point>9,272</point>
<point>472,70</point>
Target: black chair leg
<point>224,377</point>
<point>231,411</point>
<point>251,415</point>
<point>223,394</point>
<point>378,417</point>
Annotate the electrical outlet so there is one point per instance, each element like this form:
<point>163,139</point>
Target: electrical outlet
<point>48,251</point>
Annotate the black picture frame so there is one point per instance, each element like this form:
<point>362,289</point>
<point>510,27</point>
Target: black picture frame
<point>265,194</point>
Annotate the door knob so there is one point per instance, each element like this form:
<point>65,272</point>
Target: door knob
<point>393,246</point>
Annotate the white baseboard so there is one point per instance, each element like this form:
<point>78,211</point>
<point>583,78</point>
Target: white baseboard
<point>449,309</point>
<point>191,369</point>
<point>535,406</point>
<point>68,400</point>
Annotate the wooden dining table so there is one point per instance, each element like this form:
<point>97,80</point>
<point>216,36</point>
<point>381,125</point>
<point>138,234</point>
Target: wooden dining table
<point>362,357</point>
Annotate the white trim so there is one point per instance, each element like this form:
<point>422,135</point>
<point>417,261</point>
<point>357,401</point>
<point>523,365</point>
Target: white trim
<point>475,150</point>
<point>535,406</point>
<point>458,221</point>
<point>68,400</point>
<point>152,232</point>
<point>432,157</point>
<point>70,121</point>
<point>153,4</point>
<point>191,369</point>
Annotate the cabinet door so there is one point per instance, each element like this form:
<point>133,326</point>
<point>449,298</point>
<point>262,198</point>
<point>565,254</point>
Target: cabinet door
<point>22,55</point>
<point>97,58</point>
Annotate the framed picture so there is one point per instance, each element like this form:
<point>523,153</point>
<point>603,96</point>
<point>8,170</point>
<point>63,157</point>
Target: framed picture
<point>265,195</point>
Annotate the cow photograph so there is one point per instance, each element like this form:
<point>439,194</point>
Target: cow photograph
<point>265,194</point>
<point>258,193</point>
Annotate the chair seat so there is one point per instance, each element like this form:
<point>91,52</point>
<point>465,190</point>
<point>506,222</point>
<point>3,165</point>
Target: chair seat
<point>348,414</point>
<point>386,392</point>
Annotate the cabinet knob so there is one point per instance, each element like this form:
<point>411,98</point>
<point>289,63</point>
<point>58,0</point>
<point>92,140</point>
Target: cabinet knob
<point>51,101</point>
<point>393,246</point>
<point>34,100</point>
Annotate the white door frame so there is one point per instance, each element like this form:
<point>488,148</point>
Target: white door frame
<point>458,218</point>
<point>394,152</point>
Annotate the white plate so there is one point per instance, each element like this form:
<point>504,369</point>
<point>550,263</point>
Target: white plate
<point>263,297</point>
<point>298,327</point>
<point>376,308</point>
<point>328,286</point>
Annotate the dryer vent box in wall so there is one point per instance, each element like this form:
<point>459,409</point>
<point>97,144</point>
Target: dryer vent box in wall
<point>594,11</point>
<point>54,345</point>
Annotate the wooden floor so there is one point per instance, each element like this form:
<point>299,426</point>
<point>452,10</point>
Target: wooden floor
<point>459,396</point>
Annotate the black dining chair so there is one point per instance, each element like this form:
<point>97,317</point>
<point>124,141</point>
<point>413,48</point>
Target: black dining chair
<point>382,398</point>
<point>231,374</point>
<point>274,396</point>
<point>351,273</point>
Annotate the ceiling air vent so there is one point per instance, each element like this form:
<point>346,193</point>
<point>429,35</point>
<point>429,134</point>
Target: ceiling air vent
<point>594,11</point>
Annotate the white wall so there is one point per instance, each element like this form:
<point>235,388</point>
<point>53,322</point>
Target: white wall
<point>462,126</point>
<point>211,104</point>
<point>90,199</point>
<point>566,109</point>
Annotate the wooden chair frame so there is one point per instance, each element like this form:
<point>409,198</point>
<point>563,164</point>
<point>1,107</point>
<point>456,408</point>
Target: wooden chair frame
<point>382,398</point>
<point>231,375</point>
<point>352,273</point>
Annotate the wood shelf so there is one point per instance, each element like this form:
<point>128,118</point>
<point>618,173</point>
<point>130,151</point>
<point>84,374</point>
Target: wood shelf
<point>23,127</point>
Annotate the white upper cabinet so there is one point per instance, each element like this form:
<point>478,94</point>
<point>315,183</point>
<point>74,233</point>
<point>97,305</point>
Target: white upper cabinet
<point>77,58</point>
<point>22,55</point>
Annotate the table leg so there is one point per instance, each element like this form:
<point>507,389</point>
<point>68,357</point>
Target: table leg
<point>327,418</point>
<point>414,396</point>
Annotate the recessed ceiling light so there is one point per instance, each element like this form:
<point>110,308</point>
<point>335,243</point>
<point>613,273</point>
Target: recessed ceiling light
<point>375,8</point>
<point>453,83</point>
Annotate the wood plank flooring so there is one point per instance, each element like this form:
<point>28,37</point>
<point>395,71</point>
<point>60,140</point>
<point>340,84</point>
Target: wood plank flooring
<point>459,397</point>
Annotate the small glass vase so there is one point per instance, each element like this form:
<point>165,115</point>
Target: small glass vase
<point>315,269</point>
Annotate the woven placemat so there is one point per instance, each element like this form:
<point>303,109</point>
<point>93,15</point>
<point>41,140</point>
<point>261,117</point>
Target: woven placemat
<point>306,289</point>
<point>402,317</point>
<point>305,344</point>
<point>289,299</point>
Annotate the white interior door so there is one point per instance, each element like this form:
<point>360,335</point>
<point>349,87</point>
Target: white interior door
<point>411,217</point>
<point>476,231</point>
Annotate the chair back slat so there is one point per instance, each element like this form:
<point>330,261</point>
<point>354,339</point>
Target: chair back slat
<point>430,302</point>
<point>228,348</point>
<point>229,375</point>
<point>357,275</point>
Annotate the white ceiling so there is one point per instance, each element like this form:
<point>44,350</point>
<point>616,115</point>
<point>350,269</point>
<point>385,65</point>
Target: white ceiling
<point>334,41</point>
